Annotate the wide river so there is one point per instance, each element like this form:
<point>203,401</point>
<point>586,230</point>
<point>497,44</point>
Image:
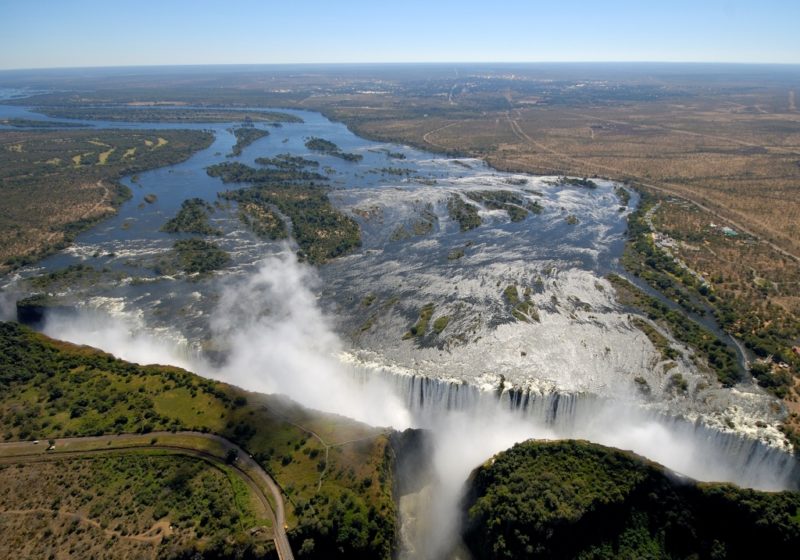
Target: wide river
<point>579,367</point>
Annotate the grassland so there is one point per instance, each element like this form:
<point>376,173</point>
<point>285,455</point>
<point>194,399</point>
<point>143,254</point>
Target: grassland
<point>56,183</point>
<point>574,499</point>
<point>334,472</point>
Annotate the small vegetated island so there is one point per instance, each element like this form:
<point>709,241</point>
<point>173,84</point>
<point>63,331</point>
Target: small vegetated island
<point>515,205</point>
<point>321,231</point>
<point>422,224</point>
<point>193,217</point>
<point>166,114</point>
<point>327,147</point>
<point>246,135</point>
<point>197,255</point>
<point>287,162</point>
<point>388,153</point>
<point>397,171</point>
<point>522,308</point>
<point>574,499</point>
<point>55,184</point>
<point>193,256</point>
<point>466,214</point>
<point>235,172</point>
<point>462,212</point>
<point>32,123</point>
<point>584,182</point>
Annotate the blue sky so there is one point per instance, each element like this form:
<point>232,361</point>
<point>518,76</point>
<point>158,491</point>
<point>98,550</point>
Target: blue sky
<point>66,33</point>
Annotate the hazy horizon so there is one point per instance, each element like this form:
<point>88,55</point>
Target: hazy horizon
<point>85,34</point>
<point>469,63</point>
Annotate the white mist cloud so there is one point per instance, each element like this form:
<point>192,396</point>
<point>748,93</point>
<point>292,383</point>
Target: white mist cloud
<point>279,341</point>
<point>462,440</point>
<point>123,338</point>
<point>8,308</point>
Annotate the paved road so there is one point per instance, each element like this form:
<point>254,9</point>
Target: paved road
<point>180,442</point>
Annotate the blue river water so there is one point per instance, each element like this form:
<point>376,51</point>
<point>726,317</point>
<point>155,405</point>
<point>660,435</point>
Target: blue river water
<point>129,244</point>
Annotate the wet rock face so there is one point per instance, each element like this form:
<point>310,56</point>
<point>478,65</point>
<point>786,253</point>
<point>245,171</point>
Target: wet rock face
<point>32,311</point>
<point>413,467</point>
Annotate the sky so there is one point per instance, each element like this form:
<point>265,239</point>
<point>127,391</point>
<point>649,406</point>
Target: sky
<point>77,33</point>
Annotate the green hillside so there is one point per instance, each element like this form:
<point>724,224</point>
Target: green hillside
<point>573,499</point>
<point>334,472</point>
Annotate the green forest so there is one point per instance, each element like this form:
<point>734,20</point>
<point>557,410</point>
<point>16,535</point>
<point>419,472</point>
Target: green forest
<point>574,499</point>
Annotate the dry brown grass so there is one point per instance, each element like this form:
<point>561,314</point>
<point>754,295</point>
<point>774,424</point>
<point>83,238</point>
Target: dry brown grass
<point>739,266</point>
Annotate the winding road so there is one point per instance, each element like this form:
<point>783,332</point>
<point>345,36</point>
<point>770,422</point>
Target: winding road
<point>426,136</point>
<point>209,447</point>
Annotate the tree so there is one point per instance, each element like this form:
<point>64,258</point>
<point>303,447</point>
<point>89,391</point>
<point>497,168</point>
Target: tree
<point>231,456</point>
<point>307,548</point>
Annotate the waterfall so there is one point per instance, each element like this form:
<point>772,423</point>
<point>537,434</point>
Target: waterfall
<point>689,448</point>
